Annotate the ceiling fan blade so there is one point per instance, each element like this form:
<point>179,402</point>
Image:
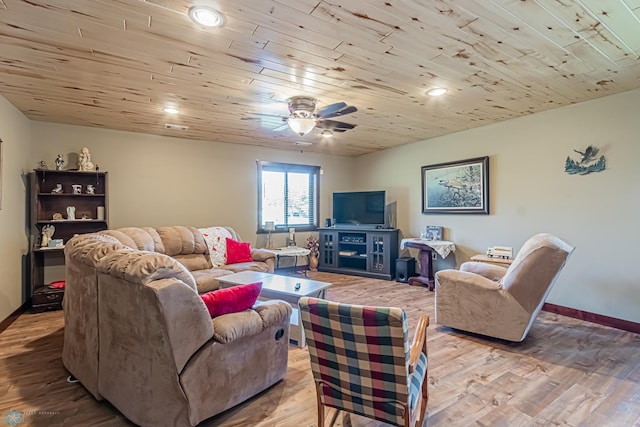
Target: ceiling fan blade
<point>267,115</point>
<point>342,112</point>
<point>334,124</point>
<point>329,109</point>
<point>282,127</point>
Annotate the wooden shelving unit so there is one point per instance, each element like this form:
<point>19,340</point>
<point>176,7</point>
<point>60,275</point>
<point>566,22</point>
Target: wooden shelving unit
<point>47,264</point>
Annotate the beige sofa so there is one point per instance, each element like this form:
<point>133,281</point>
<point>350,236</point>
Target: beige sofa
<point>138,334</point>
<point>187,245</point>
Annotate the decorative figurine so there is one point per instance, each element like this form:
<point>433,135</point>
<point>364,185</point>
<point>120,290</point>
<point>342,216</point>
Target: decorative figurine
<point>84,163</point>
<point>71,213</point>
<point>47,235</point>
<point>59,162</point>
<point>43,164</point>
<point>58,189</point>
<point>91,189</point>
<point>57,216</point>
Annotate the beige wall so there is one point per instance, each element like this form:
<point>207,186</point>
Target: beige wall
<point>161,181</point>
<point>15,134</point>
<point>531,193</point>
<point>155,180</point>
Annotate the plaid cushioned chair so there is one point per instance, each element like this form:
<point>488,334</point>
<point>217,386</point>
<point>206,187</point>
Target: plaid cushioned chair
<point>363,363</point>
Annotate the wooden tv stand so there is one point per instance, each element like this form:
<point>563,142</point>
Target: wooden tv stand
<point>368,252</point>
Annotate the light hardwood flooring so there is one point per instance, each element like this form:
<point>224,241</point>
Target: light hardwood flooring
<point>567,372</point>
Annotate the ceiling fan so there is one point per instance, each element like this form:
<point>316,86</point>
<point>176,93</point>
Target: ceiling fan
<point>303,116</point>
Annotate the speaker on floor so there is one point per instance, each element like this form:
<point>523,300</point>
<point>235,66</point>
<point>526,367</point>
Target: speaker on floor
<point>405,268</point>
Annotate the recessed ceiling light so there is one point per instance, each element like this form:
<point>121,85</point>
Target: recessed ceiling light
<point>205,16</point>
<point>171,110</point>
<point>326,133</point>
<point>437,91</point>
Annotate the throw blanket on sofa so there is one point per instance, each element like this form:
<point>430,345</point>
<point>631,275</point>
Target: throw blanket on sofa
<point>217,244</point>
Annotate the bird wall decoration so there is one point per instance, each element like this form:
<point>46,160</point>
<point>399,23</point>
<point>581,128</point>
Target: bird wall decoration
<point>584,166</point>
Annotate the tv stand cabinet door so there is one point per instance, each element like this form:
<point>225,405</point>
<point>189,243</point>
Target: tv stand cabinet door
<point>328,249</point>
<point>382,251</point>
<point>376,257</point>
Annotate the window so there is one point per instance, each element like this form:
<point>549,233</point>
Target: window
<point>288,196</point>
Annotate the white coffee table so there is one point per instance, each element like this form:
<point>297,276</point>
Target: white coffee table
<point>275,286</point>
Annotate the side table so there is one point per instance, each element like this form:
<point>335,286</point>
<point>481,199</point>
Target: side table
<point>290,251</point>
<point>427,247</point>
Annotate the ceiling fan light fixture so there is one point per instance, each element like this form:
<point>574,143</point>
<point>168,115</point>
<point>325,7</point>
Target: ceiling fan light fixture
<point>205,16</point>
<point>326,133</point>
<point>437,91</point>
<point>301,125</point>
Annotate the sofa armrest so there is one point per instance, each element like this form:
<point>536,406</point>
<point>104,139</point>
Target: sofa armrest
<point>234,326</point>
<point>273,312</point>
<point>490,271</point>
<point>474,303</point>
<point>262,254</point>
<point>461,295</point>
<point>455,281</point>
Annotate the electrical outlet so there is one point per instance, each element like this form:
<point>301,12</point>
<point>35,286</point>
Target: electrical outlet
<point>434,256</point>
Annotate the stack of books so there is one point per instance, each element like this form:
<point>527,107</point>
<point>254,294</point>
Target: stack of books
<point>348,253</point>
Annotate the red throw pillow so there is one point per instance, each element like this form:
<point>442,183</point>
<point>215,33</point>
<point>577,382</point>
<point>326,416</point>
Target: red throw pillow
<point>238,251</point>
<point>232,300</point>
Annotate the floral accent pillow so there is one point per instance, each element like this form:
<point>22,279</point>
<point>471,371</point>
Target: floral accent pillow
<point>217,244</point>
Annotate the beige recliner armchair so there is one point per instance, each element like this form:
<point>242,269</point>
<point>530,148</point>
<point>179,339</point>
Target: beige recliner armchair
<point>497,301</point>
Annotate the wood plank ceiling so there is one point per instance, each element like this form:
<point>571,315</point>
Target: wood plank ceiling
<point>116,63</point>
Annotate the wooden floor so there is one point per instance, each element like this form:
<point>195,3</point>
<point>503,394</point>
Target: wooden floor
<point>567,372</point>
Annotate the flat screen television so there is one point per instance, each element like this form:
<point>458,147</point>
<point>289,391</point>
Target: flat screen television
<point>359,209</point>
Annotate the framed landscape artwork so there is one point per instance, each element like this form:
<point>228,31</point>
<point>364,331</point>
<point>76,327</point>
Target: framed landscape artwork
<point>456,187</point>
